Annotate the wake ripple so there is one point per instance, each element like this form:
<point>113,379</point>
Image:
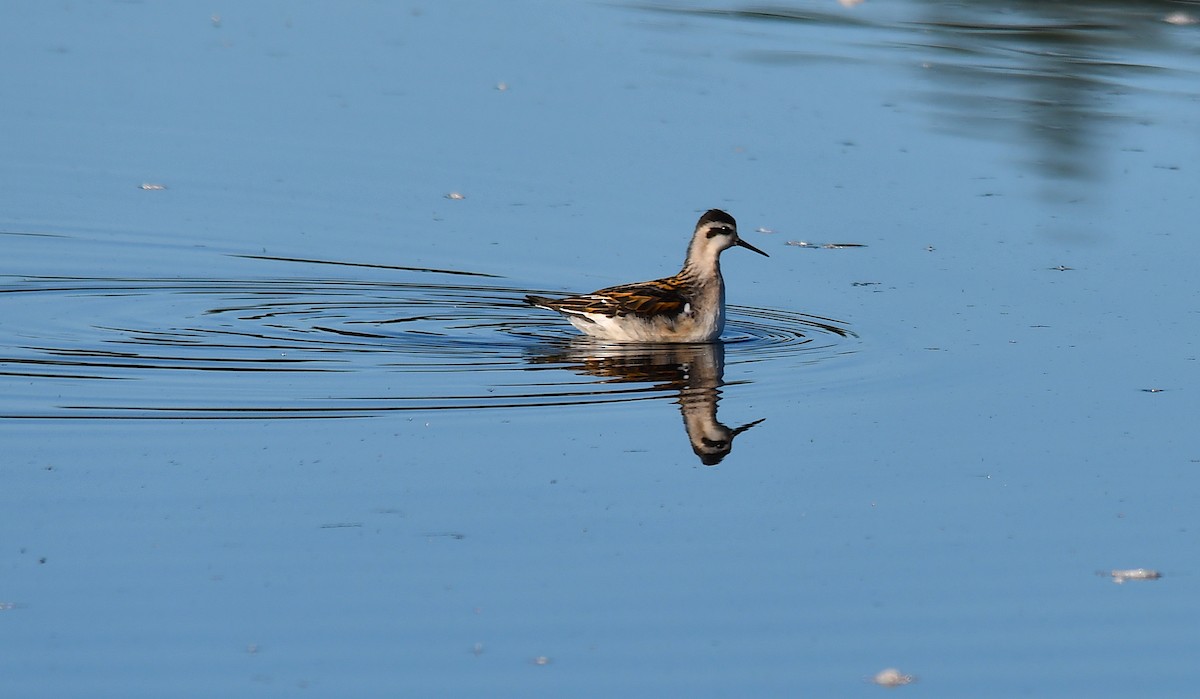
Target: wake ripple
<point>118,348</point>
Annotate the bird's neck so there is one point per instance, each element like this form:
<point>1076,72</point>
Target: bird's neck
<point>704,280</point>
<point>703,264</point>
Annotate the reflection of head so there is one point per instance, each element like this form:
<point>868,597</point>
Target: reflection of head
<point>715,443</point>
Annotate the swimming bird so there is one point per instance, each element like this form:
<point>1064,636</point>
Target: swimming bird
<point>688,307</point>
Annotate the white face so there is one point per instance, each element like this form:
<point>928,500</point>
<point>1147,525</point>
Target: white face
<point>717,236</point>
<point>720,236</point>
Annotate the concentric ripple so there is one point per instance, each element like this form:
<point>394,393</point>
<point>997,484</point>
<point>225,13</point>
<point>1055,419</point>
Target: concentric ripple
<point>118,348</point>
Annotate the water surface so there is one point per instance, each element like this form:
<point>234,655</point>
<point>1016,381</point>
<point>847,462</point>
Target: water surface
<point>277,421</point>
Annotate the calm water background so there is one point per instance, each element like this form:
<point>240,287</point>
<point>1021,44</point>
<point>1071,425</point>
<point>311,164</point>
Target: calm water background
<point>283,427</point>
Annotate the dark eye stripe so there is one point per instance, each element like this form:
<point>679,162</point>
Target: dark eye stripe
<point>719,231</point>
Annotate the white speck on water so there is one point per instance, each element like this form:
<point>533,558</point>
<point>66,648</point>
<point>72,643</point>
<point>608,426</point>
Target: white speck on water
<point>1120,576</point>
<point>891,677</point>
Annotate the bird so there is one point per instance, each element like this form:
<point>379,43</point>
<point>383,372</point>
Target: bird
<point>688,307</point>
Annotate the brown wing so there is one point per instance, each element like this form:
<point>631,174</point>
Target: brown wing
<point>661,297</point>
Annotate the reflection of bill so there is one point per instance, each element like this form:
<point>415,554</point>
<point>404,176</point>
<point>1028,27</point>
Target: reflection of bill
<point>698,397</point>
<point>696,371</point>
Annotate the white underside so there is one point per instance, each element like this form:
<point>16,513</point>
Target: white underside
<point>686,327</point>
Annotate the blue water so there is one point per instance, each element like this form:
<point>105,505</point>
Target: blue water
<point>276,421</point>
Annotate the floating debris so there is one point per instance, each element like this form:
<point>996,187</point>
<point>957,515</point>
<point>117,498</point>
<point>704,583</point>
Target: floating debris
<point>1181,18</point>
<point>864,283</point>
<point>541,660</point>
<point>761,229</point>
<point>456,196</point>
<point>1062,268</point>
<point>891,677</point>
<point>1153,390</point>
<point>150,187</point>
<point>457,536</point>
<point>1120,576</point>
<point>823,246</point>
<point>502,86</point>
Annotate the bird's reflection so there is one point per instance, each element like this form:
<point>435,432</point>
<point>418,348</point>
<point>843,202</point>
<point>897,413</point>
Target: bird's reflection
<point>696,371</point>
